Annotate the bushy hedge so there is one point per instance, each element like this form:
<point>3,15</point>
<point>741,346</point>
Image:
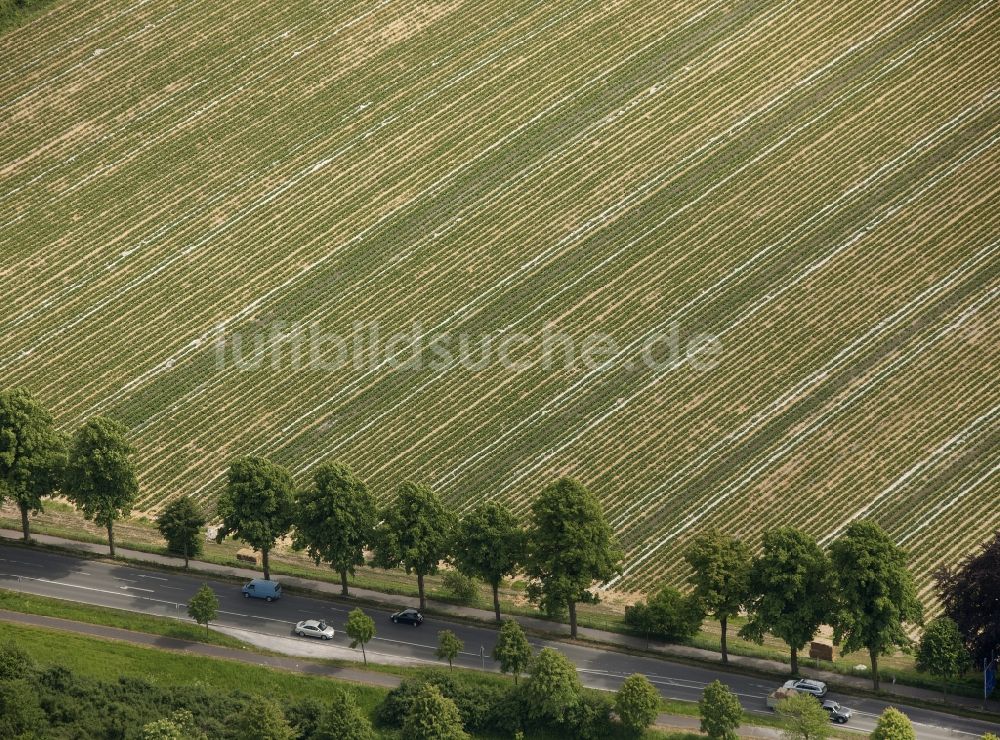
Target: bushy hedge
<point>56,703</point>
<point>499,707</point>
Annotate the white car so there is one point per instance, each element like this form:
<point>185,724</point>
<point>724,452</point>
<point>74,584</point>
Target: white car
<point>807,686</point>
<point>314,628</point>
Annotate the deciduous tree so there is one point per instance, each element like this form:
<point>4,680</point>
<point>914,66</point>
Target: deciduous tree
<point>204,605</point>
<point>970,595</point>
<point>181,523</point>
<point>720,710</point>
<point>512,649</point>
<point>342,719</point>
<point>335,519</point>
<point>415,533</point>
<point>489,545</point>
<point>449,646</point>
<point>361,629</point>
<point>570,547</point>
<point>803,718</point>
<point>637,703</point>
<point>875,595</point>
<point>721,577</point>
<point>941,651</point>
<point>32,454</point>
<point>893,725</point>
<point>256,506</point>
<point>433,716</point>
<point>553,687</point>
<point>100,476</point>
<point>791,587</point>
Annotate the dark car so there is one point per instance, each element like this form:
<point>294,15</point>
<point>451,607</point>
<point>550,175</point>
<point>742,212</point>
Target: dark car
<point>838,713</point>
<point>408,616</point>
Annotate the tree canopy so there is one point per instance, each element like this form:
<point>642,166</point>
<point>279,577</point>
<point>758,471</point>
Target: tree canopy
<point>721,577</point>
<point>893,725</point>
<point>415,533</point>
<point>342,719</point>
<point>257,505</point>
<point>512,649</point>
<point>791,587</point>
<point>32,454</point>
<point>181,523</point>
<point>335,519</point>
<point>489,545</point>
<point>361,629</point>
<point>668,614</point>
<point>553,687</point>
<point>941,650</point>
<point>204,605</point>
<point>637,703</point>
<point>875,595</point>
<point>720,710</point>
<point>571,546</point>
<point>803,718</point>
<point>433,716</point>
<point>970,595</point>
<point>100,476</point>
<point>449,646</point>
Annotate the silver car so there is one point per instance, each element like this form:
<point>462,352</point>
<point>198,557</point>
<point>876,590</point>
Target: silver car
<point>314,628</point>
<point>807,686</point>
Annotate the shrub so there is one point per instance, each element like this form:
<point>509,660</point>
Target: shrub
<point>588,718</point>
<point>14,662</point>
<point>721,712</point>
<point>667,615</point>
<point>637,703</point>
<point>552,688</point>
<point>893,725</point>
<point>433,716</point>
<point>343,720</point>
<point>804,718</point>
<point>461,586</point>
<point>20,712</point>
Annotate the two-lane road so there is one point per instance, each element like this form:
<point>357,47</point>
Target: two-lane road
<point>166,594</point>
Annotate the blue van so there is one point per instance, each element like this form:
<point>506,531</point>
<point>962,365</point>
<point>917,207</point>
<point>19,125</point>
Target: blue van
<point>258,588</point>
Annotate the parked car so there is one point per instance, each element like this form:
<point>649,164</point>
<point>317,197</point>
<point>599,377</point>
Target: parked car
<point>807,686</point>
<point>408,616</point>
<point>838,714</point>
<point>258,588</point>
<point>314,628</point>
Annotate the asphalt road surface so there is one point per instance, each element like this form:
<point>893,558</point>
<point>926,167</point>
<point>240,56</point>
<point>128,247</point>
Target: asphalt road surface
<point>166,594</point>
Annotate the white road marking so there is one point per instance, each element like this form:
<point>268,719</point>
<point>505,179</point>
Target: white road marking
<point>136,588</point>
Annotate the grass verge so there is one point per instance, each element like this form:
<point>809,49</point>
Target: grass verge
<point>135,621</point>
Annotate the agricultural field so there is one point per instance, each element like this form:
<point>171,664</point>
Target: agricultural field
<point>208,211</point>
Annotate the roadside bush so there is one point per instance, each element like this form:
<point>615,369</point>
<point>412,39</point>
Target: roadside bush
<point>20,712</point>
<point>461,586</point>
<point>478,701</point>
<point>637,703</point>
<point>433,716</point>
<point>667,615</point>
<point>14,662</point>
<point>589,718</point>
<point>342,720</point>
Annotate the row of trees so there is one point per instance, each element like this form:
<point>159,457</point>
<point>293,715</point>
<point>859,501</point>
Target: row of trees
<point>565,549</point>
<point>93,468</point>
<point>790,589</point>
<point>860,584</point>
<point>801,716</point>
